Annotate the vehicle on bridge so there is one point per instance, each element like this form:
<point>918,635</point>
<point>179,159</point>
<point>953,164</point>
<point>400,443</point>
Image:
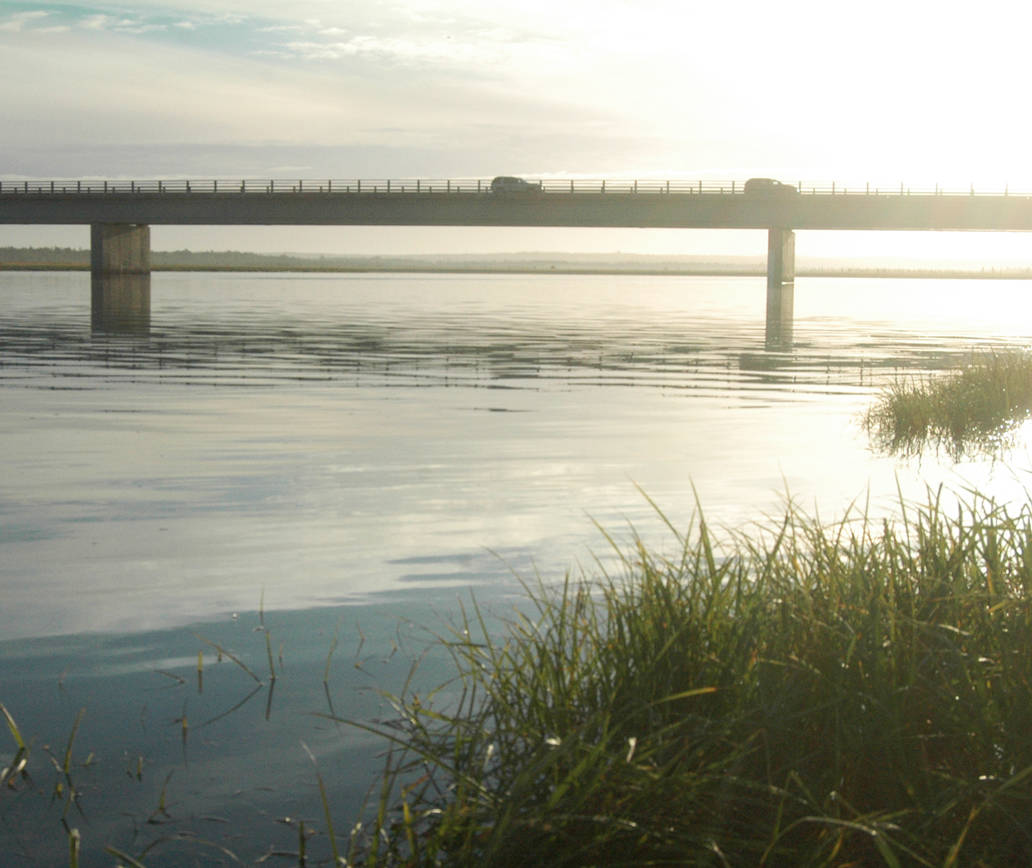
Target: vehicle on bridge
<point>768,187</point>
<point>510,184</point>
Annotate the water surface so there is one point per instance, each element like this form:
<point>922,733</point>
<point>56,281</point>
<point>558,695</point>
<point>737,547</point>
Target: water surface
<point>354,453</point>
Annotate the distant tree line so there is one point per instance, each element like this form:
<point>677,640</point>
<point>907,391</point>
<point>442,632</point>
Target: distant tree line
<point>44,255</point>
<point>72,256</point>
<point>43,258</point>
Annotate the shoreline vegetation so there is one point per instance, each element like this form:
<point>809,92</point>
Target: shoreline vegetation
<point>76,259</point>
<point>968,411</point>
<point>798,693</point>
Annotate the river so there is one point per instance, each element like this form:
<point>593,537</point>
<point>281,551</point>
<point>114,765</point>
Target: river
<point>303,474</point>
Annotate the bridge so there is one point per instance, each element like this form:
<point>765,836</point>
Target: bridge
<point>120,212</point>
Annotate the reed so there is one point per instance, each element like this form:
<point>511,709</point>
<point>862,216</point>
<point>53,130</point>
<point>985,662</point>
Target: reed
<point>965,412</point>
<point>19,762</point>
<point>74,848</point>
<point>803,693</point>
<point>330,832</point>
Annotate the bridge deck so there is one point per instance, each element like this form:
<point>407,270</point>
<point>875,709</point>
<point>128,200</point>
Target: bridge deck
<point>469,203</point>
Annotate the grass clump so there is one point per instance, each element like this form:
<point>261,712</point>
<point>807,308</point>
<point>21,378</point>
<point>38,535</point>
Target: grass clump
<point>850,694</point>
<point>967,411</point>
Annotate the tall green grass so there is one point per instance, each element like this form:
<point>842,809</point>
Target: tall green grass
<point>858,693</point>
<point>965,412</point>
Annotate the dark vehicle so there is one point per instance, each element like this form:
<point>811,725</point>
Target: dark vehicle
<point>509,184</point>
<point>768,187</point>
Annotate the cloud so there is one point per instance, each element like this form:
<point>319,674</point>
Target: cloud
<point>101,21</point>
<point>395,50</point>
<point>96,22</point>
<point>20,20</point>
<point>175,93</point>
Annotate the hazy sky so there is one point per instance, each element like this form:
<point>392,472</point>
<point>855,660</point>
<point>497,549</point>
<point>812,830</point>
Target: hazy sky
<point>811,90</point>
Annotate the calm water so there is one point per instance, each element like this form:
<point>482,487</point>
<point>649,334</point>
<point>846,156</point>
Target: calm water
<point>353,454</point>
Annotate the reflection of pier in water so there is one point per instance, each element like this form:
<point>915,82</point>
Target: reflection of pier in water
<point>120,304</point>
<point>444,351</point>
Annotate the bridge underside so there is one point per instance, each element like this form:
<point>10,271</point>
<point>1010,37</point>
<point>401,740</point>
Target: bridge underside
<point>654,210</point>
<point>120,266</point>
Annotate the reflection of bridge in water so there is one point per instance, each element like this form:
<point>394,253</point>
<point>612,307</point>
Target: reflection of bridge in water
<point>248,346</point>
<point>120,214</point>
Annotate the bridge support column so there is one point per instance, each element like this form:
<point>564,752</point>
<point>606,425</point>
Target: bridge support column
<point>119,248</point>
<point>780,286</point>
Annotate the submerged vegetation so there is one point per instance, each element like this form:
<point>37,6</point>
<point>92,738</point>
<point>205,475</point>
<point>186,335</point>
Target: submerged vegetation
<point>857,693</point>
<point>965,412</point>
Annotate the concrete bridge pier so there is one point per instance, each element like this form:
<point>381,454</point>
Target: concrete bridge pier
<point>120,271</point>
<point>780,287</point>
<point>119,248</point>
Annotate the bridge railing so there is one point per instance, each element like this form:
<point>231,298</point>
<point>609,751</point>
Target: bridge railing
<point>256,186</point>
<point>352,185</point>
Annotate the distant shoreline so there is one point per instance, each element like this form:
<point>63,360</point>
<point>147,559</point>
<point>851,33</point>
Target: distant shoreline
<point>78,259</point>
<point>672,271</point>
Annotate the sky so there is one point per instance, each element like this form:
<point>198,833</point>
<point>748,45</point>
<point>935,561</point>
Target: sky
<point>908,92</point>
